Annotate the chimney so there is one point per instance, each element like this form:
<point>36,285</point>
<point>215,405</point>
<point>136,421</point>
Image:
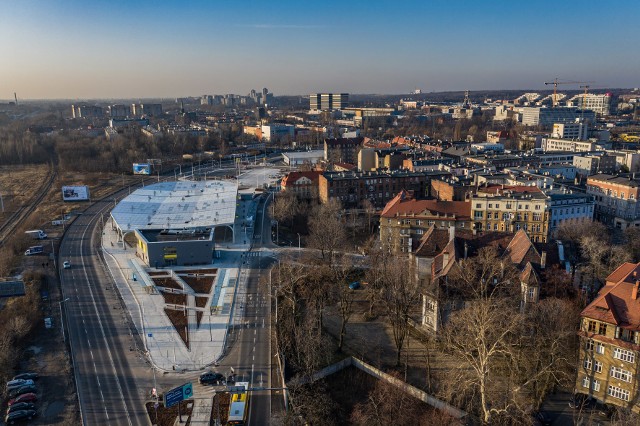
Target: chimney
<point>634,292</point>
<point>543,260</point>
<point>452,232</point>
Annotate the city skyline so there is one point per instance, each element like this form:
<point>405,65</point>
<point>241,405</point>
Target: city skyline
<point>75,50</point>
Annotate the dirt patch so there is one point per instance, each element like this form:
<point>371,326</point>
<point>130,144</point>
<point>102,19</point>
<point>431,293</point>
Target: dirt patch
<point>220,408</point>
<point>167,416</point>
<point>201,302</point>
<point>180,323</point>
<point>174,299</point>
<point>19,184</point>
<point>167,282</point>
<point>200,284</point>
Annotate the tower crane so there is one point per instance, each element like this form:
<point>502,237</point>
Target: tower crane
<point>555,83</point>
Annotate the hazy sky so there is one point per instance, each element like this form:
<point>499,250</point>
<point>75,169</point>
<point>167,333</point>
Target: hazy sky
<point>132,48</point>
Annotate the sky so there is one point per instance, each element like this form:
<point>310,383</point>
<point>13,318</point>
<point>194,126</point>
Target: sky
<point>84,49</point>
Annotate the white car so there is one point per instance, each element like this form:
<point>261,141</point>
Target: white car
<point>66,264</point>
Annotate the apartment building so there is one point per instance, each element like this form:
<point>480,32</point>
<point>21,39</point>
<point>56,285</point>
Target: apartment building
<point>578,130</point>
<point>616,199</point>
<point>559,144</point>
<point>379,187</point>
<point>594,164</point>
<point>510,209</point>
<point>565,206</point>
<point>342,150</point>
<point>405,220</point>
<point>610,341</point>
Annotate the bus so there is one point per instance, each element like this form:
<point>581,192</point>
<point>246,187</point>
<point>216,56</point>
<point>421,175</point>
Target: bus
<point>239,406</point>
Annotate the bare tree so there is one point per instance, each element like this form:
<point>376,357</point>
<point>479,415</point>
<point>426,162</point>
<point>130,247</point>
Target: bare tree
<point>285,207</point>
<point>326,230</point>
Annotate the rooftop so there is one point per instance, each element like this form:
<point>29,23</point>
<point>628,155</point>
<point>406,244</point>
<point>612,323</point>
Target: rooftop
<point>404,204</point>
<point>178,205</point>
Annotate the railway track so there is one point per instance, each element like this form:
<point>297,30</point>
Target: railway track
<point>17,217</point>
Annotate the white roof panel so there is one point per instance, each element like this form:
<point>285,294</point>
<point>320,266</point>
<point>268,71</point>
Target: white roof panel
<point>177,205</point>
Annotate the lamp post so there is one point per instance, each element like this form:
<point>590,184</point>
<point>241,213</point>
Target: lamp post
<point>61,322</point>
<point>298,240</point>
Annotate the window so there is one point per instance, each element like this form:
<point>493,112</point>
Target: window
<point>495,226</point>
<point>490,205</point>
<point>508,205</point>
<point>600,348</point>
<point>602,329</point>
<point>537,206</point>
<point>531,293</point>
<point>619,373</point>
<point>496,215</point>
<point>477,215</point>
<point>624,355</point>
<point>617,392</point>
<point>597,367</point>
<point>478,206</point>
<point>595,385</point>
<point>588,346</point>
<point>587,364</point>
<point>585,382</point>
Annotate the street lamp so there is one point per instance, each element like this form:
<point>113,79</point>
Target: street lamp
<point>61,322</point>
<point>298,240</point>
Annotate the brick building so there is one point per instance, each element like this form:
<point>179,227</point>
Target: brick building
<point>352,188</point>
<point>342,150</point>
<point>610,341</point>
<point>616,199</point>
<point>405,219</point>
<point>303,184</point>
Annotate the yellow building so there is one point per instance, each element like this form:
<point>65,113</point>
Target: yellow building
<point>610,341</point>
<point>510,209</point>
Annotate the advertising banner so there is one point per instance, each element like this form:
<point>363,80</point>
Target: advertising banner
<point>75,193</point>
<point>141,168</point>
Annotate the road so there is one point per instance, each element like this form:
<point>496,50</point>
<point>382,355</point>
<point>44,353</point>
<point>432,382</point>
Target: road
<point>106,370</point>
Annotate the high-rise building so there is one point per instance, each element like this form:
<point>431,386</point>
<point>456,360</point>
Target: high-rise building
<point>546,117</point>
<point>86,111</point>
<point>328,101</point>
<point>119,111</point>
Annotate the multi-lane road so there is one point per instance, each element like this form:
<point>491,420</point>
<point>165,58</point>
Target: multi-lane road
<point>113,380</point>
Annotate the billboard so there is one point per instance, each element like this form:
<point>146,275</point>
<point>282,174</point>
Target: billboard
<point>75,193</point>
<point>141,168</point>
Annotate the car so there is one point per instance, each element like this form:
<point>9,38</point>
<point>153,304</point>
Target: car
<point>582,401</point>
<point>25,397</point>
<point>19,416</point>
<point>354,285</point>
<point>211,378</point>
<point>14,384</point>
<point>66,264</point>
<point>21,406</point>
<point>21,390</point>
<point>26,376</point>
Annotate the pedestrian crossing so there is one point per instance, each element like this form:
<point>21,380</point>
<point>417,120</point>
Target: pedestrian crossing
<point>252,254</point>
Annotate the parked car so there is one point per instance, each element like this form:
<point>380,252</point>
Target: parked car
<point>19,416</point>
<point>26,376</point>
<point>26,397</point>
<point>14,384</point>
<point>21,406</point>
<point>66,264</point>
<point>582,401</point>
<point>21,390</point>
<point>211,378</point>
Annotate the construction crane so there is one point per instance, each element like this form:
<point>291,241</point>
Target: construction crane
<point>555,83</point>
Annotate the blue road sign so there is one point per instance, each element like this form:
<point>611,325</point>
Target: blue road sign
<point>178,394</point>
<point>150,335</point>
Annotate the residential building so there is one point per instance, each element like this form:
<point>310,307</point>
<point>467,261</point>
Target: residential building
<point>425,165</point>
<point>450,189</point>
<point>576,131</point>
<point>119,111</point>
<point>627,158</point>
<point>342,150</point>
<point>405,219</point>
<point>441,250</point>
<point>610,341</point>
<point>86,111</point>
<point>616,199</point>
<point>546,117</point>
<point>600,104</point>
<point>566,207</point>
<point>297,158</point>
<point>557,144</point>
<point>593,164</point>
<point>328,101</point>
<point>510,209</point>
<point>379,187</point>
<point>277,132</point>
<point>303,184</point>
